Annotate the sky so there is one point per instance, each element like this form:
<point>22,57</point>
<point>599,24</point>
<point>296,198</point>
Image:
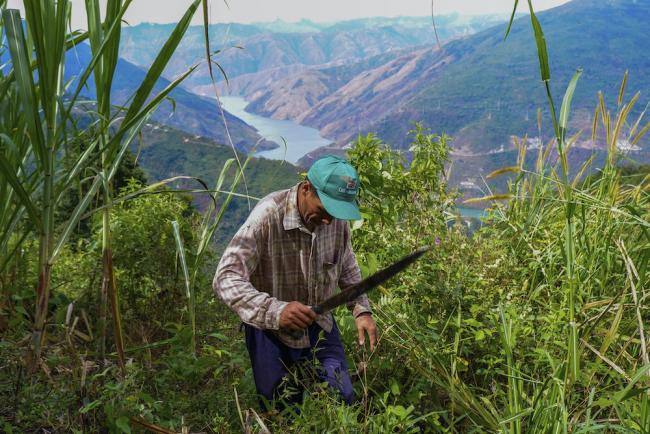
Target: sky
<point>247,11</point>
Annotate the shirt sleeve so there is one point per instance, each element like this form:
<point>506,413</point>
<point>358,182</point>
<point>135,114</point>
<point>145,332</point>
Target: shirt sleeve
<point>232,280</point>
<point>351,274</point>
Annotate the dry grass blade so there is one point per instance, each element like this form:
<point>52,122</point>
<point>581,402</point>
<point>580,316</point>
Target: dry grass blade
<point>494,197</point>
<point>613,365</point>
<point>433,23</point>
<point>150,426</point>
<point>632,275</point>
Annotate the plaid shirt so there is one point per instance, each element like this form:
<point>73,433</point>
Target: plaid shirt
<point>274,259</point>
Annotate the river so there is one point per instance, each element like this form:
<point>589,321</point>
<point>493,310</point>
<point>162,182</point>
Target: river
<point>300,140</point>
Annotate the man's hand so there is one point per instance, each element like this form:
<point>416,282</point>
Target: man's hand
<point>296,316</point>
<point>366,324</point>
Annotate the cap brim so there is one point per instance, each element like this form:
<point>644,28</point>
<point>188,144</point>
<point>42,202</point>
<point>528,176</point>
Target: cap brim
<point>340,209</point>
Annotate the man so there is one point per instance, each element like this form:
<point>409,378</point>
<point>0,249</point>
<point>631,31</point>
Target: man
<point>291,253</point>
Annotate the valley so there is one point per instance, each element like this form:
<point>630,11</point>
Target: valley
<point>381,75</point>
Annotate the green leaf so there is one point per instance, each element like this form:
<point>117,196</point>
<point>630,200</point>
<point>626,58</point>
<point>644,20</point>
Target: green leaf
<point>206,37</point>
<point>20,60</point>
<point>566,104</point>
<point>8,171</point>
<point>146,111</point>
<point>630,391</point>
<point>160,62</point>
<point>542,52</point>
<point>99,180</point>
<point>122,423</point>
<point>472,322</point>
<point>394,387</point>
<point>90,406</point>
<point>97,50</point>
<point>512,18</point>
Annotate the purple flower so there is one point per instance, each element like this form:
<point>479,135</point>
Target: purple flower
<point>437,241</point>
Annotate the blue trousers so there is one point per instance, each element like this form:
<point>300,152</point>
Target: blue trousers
<point>271,361</point>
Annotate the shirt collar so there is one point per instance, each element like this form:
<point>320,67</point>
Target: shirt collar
<point>292,219</point>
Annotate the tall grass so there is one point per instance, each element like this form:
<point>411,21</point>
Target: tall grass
<point>573,341</point>
<point>210,222</point>
<point>34,180</point>
<point>600,215</point>
<point>582,236</point>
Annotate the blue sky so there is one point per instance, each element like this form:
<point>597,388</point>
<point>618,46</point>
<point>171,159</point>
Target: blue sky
<point>246,11</point>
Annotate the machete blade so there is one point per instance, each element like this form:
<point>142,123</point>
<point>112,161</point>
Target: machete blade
<point>370,282</point>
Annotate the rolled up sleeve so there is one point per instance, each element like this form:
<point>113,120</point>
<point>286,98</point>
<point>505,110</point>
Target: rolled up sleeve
<point>232,281</point>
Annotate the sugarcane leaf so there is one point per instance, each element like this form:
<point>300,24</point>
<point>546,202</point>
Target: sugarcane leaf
<point>16,245</point>
<point>206,37</point>
<point>181,253</point>
<point>8,171</point>
<point>25,80</point>
<point>223,173</point>
<point>78,167</point>
<point>98,181</point>
<point>114,13</point>
<point>144,113</point>
<point>189,288</point>
<point>160,62</point>
<point>97,56</point>
<point>512,18</point>
<point>76,216</point>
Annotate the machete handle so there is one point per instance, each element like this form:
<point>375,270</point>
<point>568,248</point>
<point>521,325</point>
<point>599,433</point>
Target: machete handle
<point>297,334</point>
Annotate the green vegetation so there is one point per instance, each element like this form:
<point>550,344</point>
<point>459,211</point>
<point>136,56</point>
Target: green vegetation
<point>474,336</point>
<point>536,323</point>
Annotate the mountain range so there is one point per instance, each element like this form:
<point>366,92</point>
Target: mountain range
<point>382,74</point>
<point>250,48</point>
<point>481,90</point>
<point>305,43</point>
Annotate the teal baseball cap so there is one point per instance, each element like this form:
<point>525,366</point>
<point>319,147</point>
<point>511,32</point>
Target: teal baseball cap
<point>337,185</point>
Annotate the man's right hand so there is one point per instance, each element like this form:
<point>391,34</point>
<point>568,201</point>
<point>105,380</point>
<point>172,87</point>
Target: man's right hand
<point>296,316</point>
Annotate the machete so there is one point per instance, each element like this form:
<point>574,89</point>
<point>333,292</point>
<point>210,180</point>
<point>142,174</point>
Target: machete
<point>370,282</point>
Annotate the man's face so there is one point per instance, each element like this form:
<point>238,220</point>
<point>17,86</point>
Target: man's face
<point>311,209</point>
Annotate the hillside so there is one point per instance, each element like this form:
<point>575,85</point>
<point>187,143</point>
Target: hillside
<point>481,90</point>
<point>192,113</point>
<point>290,92</point>
<point>165,152</point>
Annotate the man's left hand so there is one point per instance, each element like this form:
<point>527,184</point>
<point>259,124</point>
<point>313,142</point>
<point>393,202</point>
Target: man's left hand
<point>366,324</point>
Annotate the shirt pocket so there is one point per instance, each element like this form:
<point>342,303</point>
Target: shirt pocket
<point>330,279</point>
